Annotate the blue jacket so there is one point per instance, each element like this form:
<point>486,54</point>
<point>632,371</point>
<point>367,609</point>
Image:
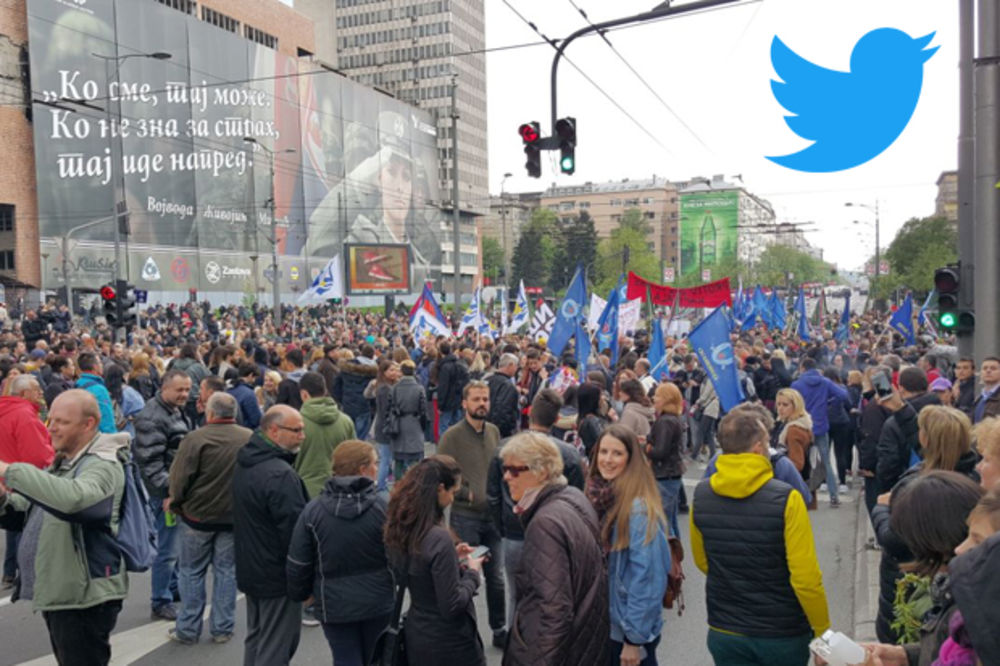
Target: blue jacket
<point>94,385</point>
<point>132,404</point>
<point>247,401</point>
<point>817,390</point>
<point>784,470</point>
<point>637,579</point>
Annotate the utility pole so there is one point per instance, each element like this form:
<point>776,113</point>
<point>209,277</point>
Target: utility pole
<point>503,225</point>
<point>966,162</point>
<point>456,230</point>
<point>275,284</point>
<point>987,174</point>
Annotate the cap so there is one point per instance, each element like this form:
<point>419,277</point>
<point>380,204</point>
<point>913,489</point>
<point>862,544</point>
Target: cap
<point>941,384</point>
<point>37,353</point>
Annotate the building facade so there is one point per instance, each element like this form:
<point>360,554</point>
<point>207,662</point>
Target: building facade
<point>508,215</point>
<point>946,203</point>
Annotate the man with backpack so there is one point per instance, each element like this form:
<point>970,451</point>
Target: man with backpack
<point>72,567</point>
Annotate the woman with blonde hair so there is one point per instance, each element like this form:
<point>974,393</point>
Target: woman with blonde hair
<point>792,432</point>
<point>664,449</point>
<point>634,530</point>
<point>267,394</point>
<point>987,438</point>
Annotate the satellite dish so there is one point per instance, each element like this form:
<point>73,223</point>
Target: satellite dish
<point>489,294</point>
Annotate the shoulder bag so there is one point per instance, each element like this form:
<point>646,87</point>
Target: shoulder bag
<point>390,648</point>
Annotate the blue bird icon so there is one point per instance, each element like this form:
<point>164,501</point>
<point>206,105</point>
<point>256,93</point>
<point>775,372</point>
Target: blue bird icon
<point>852,116</point>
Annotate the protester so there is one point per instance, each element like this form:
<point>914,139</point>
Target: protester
<point>125,400</point>
<point>337,556</point>
<point>201,482</point>
<point>409,408</point>
<point>504,413</point>
<point>561,610</point>
<point>817,391</point>
<point>349,388</point>
<point>61,378</point>
<point>987,438</point>
<point>637,413</point>
<point>243,390</point>
<point>898,442</point>
<point>379,390</point>
<point>838,411</point>
<point>873,418</point>
<point>288,390</point>
<point>988,402</point>
<point>964,388</point>
<point>451,377</point>
<point>189,362</point>
<point>706,414</point>
<point>326,427</point>
<point>440,576</point>
<point>92,381</point>
<point>664,450</point>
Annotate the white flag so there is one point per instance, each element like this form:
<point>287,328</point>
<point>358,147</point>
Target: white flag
<point>521,315</point>
<point>542,322</point>
<point>328,284</point>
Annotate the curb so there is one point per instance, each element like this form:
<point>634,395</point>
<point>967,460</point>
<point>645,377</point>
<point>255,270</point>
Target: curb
<point>866,583</point>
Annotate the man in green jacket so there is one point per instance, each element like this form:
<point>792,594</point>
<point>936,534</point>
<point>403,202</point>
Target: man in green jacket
<point>326,427</point>
<point>71,566</point>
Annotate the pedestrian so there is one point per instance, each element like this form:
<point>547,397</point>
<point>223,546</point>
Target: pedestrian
<point>326,427</point>
<point>561,609</point>
<point>441,577</point>
<point>964,388</point>
<point>379,390</point>
<point>293,367</point>
<point>451,376</point>
<point>637,414</point>
<point>267,392</point>
<point>873,418</point>
<point>268,497</point>
<point>504,412</point>
<point>92,381</point>
<point>775,552</point>
<point>125,400</point>
<point>408,407</point>
<point>189,362</point>
<point>242,390</point>
<point>706,414</point>
<point>71,567</point>
<point>988,402</point>
<point>898,442</point>
<point>337,556</point>
<point>61,378</point>
<point>664,449</point>
<point>349,389</point>
<point>201,488</point>
<point>590,423</point>
<point>159,429</point>
<point>841,428</point>
<point>793,433</point>
<point>817,391</point>
<point>473,443</point>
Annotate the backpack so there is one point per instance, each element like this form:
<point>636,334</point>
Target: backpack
<point>136,536</point>
<point>675,577</point>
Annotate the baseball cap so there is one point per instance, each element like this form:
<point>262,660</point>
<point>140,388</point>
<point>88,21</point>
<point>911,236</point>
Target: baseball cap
<point>940,384</point>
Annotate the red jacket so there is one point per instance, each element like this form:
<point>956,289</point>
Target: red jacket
<point>23,437</point>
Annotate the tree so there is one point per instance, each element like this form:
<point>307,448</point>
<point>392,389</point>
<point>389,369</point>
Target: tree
<point>576,242</point>
<point>777,261</point>
<point>611,251</point>
<point>535,251</point>
<point>921,246</point>
<point>493,264</point>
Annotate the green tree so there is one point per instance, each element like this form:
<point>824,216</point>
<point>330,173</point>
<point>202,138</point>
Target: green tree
<point>633,219</point>
<point>777,261</point>
<point>576,242</point>
<point>922,245</point>
<point>492,258</point>
<point>536,249</point>
<point>611,252</point>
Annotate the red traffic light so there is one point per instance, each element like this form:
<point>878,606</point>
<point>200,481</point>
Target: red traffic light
<point>529,132</point>
<point>946,280</point>
<point>108,292</point>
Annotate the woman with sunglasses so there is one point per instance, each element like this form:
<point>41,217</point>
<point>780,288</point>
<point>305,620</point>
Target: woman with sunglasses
<point>634,531</point>
<point>561,604</point>
<point>440,576</point>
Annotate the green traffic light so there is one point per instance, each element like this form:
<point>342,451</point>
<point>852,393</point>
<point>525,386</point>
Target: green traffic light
<point>947,320</point>
<point>566,164</point>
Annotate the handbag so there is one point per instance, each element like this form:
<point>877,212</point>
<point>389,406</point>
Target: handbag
<point>390,648</point>
<point>675,577</point>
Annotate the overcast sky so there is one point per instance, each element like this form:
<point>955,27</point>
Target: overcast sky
<point>714,72</point>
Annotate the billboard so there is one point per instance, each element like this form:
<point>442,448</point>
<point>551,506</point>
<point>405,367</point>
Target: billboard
<point>168,138</point>
<point>708,232</point>
<point>378,269</point>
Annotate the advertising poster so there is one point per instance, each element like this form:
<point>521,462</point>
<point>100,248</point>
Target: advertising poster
<point>378,269</point>
<point>708,231</point>
<point>192,146</point>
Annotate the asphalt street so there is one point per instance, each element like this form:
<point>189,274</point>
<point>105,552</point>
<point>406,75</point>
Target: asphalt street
<point>138,640</point>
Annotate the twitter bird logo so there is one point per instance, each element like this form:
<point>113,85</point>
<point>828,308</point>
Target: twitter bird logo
<point>850,116</point>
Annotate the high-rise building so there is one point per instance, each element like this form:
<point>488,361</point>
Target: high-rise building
<point>415,50</point>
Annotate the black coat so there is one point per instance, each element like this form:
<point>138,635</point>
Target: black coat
<point>159,429</point>
<point>873,417</point>
<point>504,411</point>
<point>349,388</point>
<point>441,621</point>
<point>666,439</point>
<point>898,440</point>
<point>268,497</point>
<point>337,553</point>
<point>452,376</point>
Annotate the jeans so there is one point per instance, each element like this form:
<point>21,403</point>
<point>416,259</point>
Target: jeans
<point>198,550</point>
<point>748,650</point>
<point>670,491</point>
<point>362,424</point>
<point>871,494</point>
<point>10,554</point>
<point>82,636</point>
<point>648,660</point>
<point>511,561</point>
<point>843,448</point>
<point>482,532</point>
<point>352,643</point>
<point>164,576</point>
<point>706,432</point>
<point>384,466</point>
<point>448,419</point>
<point>823,442</point>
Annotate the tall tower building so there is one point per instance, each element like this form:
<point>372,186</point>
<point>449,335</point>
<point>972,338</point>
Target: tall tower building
<point>415,49</point>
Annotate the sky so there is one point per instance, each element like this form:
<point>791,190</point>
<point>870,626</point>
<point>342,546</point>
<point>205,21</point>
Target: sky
<point>713,70</point>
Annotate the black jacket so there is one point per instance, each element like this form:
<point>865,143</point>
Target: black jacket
<point>452,376</point>
<point>349,388</point>
<point>873,417</point>
<point>666,439</point>
<point>898,440</point>
<point>288,390</point>
<point>54,387</point>
<point>268,497</point>
<point>504,412</point>
<point>159,429</point>
<point>145,385</point>
<point>337,553</point>
<point>967,397</point>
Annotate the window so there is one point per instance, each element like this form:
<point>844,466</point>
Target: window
<point>616,202</point>
<point>631,203</point>
<point>7,260</point>
<point>261,37</point>
<point>650,215</point>
<point>186,6</point>
<point>648,201</point>
<point>220,20</point>
<point>584,204</point>
<point>567,205</point>
<point>6,217</point>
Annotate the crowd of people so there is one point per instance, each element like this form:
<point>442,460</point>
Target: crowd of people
<point>330,465</point>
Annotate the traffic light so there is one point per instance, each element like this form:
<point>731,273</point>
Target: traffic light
<point>566,134</point>
<point>110,298</point>
<point>951,316</point>
<point>126,304</point>
<point>530,134</point>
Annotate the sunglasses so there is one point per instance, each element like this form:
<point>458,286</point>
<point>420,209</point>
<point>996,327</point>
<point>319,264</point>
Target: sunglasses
<point>515,470</point>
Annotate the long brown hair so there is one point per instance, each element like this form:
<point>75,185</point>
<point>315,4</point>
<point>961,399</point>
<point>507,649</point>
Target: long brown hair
<point>413,508</point>
<point>948,436</point>
<point>635,482</point>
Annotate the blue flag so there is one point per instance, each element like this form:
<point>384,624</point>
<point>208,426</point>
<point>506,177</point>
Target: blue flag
<point>902,320</point>
<point>657,357</point>
<point>710,341</point>
<point>570,313</point>
<point>607,327</point>
<point>844,329</point>
<point>777,309</point>
<point>800,312</point>
<point>922,315</point>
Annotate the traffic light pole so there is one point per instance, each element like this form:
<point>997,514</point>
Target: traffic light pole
<point>661,11</point>
<point>456,238</point>
<point>966,154</point>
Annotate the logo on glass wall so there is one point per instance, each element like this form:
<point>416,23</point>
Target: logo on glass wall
<point>213,272</point>
<point>150,271</point>
<point>180,270</point>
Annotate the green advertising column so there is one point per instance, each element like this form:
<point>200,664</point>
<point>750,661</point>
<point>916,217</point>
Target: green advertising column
<point>708,231</point>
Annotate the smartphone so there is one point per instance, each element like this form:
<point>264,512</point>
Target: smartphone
<point>883,387</point>
<point>480,551</point>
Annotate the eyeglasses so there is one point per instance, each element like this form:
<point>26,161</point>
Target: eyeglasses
<point>295,430</point>
<point>515,470</point>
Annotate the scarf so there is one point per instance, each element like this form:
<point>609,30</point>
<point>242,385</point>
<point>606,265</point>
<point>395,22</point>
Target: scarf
<point>601,494</point>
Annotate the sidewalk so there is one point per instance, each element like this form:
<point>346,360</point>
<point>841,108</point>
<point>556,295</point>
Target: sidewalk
<point>866,582</point>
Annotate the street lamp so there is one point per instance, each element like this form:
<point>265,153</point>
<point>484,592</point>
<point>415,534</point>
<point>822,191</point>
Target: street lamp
<point>275,286</point>
<point>878,259</point>
<point>503,218</point>
<point>119,210</point>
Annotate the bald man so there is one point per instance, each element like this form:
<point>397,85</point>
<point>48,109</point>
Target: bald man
<point>268,497</point>
<point>72,512</point>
